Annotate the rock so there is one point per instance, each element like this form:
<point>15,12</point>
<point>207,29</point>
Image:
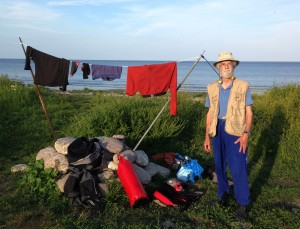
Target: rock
<point>103,189</point>
<point>61,182</point>
<point>19,168</point>
<point>142,158</point>
<point>61,144</point>
<point>100,138</point>
<point>106,175</point>
<point>112,165</point>
<point>215,179</point>
<point>112,145</point>
<point>107,156</point>
<point>119,136</point>
<point>154,169</point>
<point>53,159</point>
<point>142,174</point>
<point>115,158</point>
<point>127,154</point>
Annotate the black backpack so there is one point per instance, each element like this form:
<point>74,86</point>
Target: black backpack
<point>82,187</point>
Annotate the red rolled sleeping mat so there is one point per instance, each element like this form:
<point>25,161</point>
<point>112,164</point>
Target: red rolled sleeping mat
<point>133,187</point>
<point>162,198</point>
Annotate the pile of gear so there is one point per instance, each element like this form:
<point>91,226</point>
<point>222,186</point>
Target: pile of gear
<point>87,164</point>
<point>176,191</point>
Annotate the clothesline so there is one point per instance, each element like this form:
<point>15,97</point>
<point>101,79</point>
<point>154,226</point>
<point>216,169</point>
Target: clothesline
<point>59,71</point>
<point>126,66</point>
<point>148,80</point>
<point>178,61</point>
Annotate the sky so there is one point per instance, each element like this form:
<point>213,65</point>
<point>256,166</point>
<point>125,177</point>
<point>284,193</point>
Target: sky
<point>256,30</point>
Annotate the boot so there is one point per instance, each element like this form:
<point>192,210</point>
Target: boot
<point>224,201</point>
<point>241,214</point>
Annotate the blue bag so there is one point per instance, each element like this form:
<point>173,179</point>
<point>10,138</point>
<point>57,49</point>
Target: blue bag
<point>190,170</point>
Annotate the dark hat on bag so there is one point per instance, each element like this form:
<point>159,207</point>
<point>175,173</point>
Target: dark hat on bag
<point>80,148</point>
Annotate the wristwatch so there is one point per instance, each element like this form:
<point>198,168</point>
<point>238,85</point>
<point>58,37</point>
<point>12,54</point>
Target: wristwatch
<point>247,132</point>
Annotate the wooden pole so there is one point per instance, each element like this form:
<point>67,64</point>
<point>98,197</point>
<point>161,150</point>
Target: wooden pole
<point>187,75</point>
<point>40,96</point>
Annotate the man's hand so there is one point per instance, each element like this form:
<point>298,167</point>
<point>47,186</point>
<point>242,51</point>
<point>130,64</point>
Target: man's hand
<point>207,145</point>
<point>243,140</point>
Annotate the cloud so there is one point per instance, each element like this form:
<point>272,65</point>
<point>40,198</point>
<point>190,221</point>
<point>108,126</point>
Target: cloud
<point>157,28</point>
<point>86,2</point>
<point>30,16</point>
<point>26,11</point>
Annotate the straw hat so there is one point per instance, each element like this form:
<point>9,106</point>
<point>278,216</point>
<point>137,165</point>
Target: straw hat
<point>225,56</point>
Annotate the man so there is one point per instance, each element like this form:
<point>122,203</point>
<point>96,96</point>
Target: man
<point>228,123</point>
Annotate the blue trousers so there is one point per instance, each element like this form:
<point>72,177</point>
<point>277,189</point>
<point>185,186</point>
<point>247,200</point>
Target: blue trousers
<point>227,153</point>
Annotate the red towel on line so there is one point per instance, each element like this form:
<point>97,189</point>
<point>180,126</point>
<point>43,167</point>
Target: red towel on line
<point>154,79</point>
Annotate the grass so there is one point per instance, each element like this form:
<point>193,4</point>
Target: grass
<point>274,160</point>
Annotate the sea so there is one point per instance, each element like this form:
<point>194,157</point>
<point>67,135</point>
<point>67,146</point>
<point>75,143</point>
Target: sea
<point>260,75</point>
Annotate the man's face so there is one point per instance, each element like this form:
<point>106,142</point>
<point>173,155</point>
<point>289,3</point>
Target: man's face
<point>226,68</point>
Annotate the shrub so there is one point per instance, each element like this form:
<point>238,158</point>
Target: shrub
<point>40,182</point>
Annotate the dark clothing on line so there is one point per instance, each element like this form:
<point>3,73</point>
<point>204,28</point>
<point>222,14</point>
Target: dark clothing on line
<point>49,70</point>
<point>106,72</point>
<point>85,68</point>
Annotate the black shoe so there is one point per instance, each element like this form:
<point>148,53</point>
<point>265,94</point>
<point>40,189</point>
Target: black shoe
<point>224,201</point>
<point>241,214</point>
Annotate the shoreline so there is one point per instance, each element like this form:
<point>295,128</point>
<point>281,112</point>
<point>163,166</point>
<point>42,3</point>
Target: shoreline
<point>188,87</point>
<point>184,88</point>
<point>261,76</point>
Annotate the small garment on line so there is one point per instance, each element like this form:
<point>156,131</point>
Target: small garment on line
<point>86,71</point>
<point>154,79</point>
<point>106,72</point>
<point>49,70</point>
<point>74,67</point>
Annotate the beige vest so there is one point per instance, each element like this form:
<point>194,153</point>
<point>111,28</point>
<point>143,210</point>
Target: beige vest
<point>236,109</point>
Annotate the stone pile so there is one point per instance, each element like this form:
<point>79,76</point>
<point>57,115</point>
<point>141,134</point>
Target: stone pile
<point>56,158</point>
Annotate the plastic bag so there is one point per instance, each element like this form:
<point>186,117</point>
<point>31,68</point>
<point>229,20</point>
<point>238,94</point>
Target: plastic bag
<point>190,169</point>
